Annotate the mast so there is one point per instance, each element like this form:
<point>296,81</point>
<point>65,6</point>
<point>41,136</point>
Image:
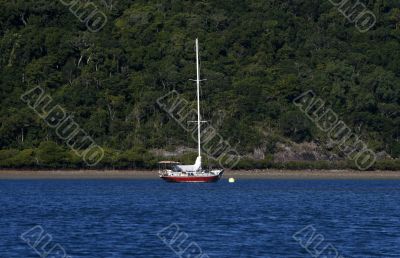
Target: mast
<point>198,98</point>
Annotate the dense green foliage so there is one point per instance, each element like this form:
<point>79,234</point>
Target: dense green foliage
<point>258,55</point>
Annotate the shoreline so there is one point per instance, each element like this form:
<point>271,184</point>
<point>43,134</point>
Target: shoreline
<point>238,174</point>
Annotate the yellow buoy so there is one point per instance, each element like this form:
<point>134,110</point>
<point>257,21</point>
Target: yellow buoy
<point>231,180</point>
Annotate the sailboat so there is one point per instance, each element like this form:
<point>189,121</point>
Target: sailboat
<point>177,173</point>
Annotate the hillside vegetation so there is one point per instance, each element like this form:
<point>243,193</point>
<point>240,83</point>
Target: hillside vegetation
<point>257,56</point>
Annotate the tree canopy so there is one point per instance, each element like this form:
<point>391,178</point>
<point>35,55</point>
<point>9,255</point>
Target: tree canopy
<point>258,55</point>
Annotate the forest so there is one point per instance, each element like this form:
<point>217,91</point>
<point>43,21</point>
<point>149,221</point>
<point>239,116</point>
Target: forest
<point>258,56</point>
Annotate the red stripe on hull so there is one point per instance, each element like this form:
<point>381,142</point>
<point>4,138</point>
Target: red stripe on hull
<point>191,179</point>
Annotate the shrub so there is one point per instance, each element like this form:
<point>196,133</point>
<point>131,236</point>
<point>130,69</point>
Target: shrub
<point>49,154</point>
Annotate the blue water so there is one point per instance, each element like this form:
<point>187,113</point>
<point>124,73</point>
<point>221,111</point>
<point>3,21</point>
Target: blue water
<point>106,218</point>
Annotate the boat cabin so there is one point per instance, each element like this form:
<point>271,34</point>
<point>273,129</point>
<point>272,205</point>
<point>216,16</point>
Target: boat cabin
<point>171,166</point>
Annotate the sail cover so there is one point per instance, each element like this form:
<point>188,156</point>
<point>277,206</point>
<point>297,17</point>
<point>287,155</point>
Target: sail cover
<point>191,168</point>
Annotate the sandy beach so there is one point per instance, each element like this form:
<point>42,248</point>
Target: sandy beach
<point>238,174</point>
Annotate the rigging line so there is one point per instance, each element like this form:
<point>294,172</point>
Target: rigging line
<point>202,96</point>
<point>200,87</point>
<point>202,111</point>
